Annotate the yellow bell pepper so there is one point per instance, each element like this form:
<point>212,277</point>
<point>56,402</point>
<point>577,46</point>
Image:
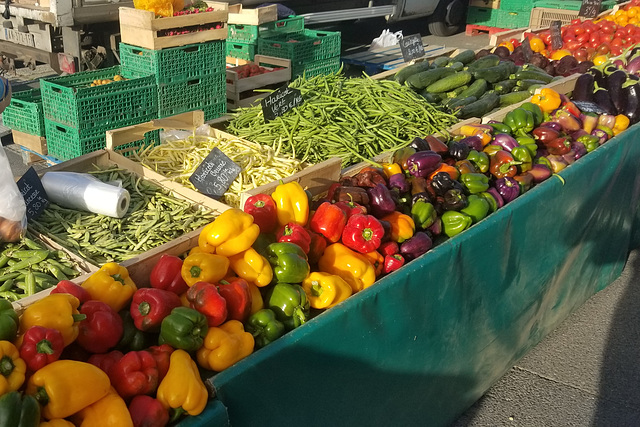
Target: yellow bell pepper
<point>110,411</point>
<point>377,260</point>
<point>402,226</point>
<point>621,124</point>
<point>252,267</point>
<point>112,285</point>
<point>203,244</point>
<point>198,249</point>
<point>182,388</point>
<point>224,345</point>
<point>325,290</point>
<point>292,203</point>
<point>391,169</point>
<point>352,267</point>
<point>58,422</point>
<point>257,303</point>
<point>55,311</point>
<point>204,267</point>
<point>548,100</point>
<point>12,368</point>
<point>65,387</point>
<point>230,233</point>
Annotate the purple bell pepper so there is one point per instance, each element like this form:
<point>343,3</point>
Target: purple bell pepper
<point>423,163</point>
<point>496,195</point>
<point>579,149</point>
<point>505,141</point>
<point>474,142</point>
<point>558,163</point>
<point>381,201</point>
<point>607,120</point>
<point>436,228</point>
<point>540,172</point>
<point>416,246</point>
<point>604,137</point>
<point>552,125</point>
<point>400,182</point>
<point>577,134</point>
<point>568,121</point>
<point>589,122</point>
<point>508,188</point>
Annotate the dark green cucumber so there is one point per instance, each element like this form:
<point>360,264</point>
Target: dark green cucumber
<point>477,89</point>
<point>451,82</point>
<point>486,61</point>
<point>440,61</point>
<point>526,83</point>
<point>432,98</point>
<point>533,75</point>
<point>466,56</point>
<point>460,102</point>
<point>493,74</point>
<point>479,108</point>
<point>458,66</point>
<point>532,67</point>
<point>514,97</point>
<point>456,92</point>
<point>532,88</point>
<point>505,86</point>
<point>424,78</point>
<point>402,75</point>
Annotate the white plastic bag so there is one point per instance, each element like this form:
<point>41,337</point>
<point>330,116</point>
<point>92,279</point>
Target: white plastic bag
<point>13,211</point>
<point>386,39</point>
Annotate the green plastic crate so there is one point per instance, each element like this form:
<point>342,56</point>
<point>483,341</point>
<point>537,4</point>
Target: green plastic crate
<point>214,110</point>
<point>329,46</point>
<point>302,48</point>
<point>174,63</point>
<point>482,16</point>
<point>71,101</point>
<point>25,112</point>
<point>315,68</point>
<point>511,19</point>
<point>239,33</point>
<point>189,95</point>
<point>514,6</point>
<point>241,50</point>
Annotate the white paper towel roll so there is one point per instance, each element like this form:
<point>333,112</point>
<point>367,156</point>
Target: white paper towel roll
<point>84,192</point>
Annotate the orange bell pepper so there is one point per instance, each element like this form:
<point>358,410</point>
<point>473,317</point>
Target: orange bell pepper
<point>402,226</point>
<point>377,260</point>
<point>391,169</point>
<point>481,131</point>
<point>621,124</point>
<point>110,411</point>
<point>352,267</point>
<point>548,100</point>
<point>453,172</point>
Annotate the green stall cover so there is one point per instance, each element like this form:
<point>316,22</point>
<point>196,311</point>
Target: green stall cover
<point>424,343</point>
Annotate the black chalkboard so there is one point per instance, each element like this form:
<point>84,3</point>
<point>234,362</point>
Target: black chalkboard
<point>556,35</point>
<point>527,52</point>
<point>215,174</point>
<point>590,8</point>
<point>280,101</point>
<point>33,193</point>
<point>411,47</point>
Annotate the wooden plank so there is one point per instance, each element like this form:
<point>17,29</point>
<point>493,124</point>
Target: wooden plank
<point>150,40</point>
<point>237,85</point>
<point>240,16</point>
<point>32,142</point>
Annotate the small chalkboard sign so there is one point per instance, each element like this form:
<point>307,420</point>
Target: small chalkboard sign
<point>215,174</point>
<point>280,101</point>
<point>411,47</point>
<point>527,52</point>
<point>556,35</point>
<point>33,193</point>
<point>590,8</point>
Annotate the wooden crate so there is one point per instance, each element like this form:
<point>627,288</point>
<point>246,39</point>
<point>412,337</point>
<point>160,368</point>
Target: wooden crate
<point>34,143</point>
<point>142,28</point>
<point>240,16</point>
<point>239,91</point>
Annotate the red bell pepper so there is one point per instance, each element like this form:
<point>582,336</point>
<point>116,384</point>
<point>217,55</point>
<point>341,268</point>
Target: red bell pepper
<point>105,361</point>
<point>263,210</point>
<point>167,274</point>
<point>101,330</point>
<point>503,165</point>
<point>332,190</point>
<point>392,263</point>
<point>329,220</point>
<point>68,287</point>
<point>136,373</point>
<point>41,346</point>
<point>363,233</point>
<point>389,248</point>
<point>559,146</point>
<point>351,208</point>
<point>162,355</point>
<point>148,412</point>
<point>294,233</point>
<point>238,296</point>
<point>205,298</point>
<point>149,306</point>
<point>317,247</point>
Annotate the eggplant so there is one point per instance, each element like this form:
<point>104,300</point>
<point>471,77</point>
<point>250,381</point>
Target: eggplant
<point>584,88</point>
<point>615,81</point>
<point>602,98</point>
<point>598,76</point>
<point>632,107</point>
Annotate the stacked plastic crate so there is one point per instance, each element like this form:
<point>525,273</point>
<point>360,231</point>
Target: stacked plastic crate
<point>246,26</point>
<point>24,116</point>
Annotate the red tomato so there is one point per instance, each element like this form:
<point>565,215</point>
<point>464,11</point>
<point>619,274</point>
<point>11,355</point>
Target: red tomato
<point>593,45</point>
<point>620,34</point>
<point>576,22</point>
<point>603,49</point>
<point>572,45</point>
<point>606,38</point>
<point>595,37</point>
<point>546,38</point>
<point>579,30</point>
<point>617,42</point>
<point>583,38</point>
<point>616,50</point>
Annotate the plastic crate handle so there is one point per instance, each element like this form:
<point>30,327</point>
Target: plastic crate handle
<point>194,82</point>
<point>56,89</point>
<point>16,103</point>
<point>61,129</point>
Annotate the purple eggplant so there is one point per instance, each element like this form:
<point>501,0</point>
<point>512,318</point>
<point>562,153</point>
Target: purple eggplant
<point>381,201</point>
<point>540,172</point>
<point>615,81</point>
<point>598,76</point>
<point>584,88</point>
<point>423,163</point>
<point>507,142</point>
<point>508,188</point>
<point>632,109</point>
<point>602,98</point>
<point>600,134</point>
<point>578,149</point>
<point>496,195</point>
<point>416,246</point>
<point>633,66</point>
<point>474,142</point>
<point>552,125</point>
<point>398,181</point>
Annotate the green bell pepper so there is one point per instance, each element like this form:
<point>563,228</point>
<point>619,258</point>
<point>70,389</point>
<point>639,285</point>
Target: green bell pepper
<point>475,182</point>
<point>133,339</point>
<point>8,321</point>
<point>500,128</point>
<point>18,411</point>
<point>590,142</point>
<point>454,223</point>
<point>480,159</point>
<point>289,262</point>
<point>493,203</point>
<point>290,304</point>
<point>478,208</point>
<point>184,328</point>
<point>265,327</point>
<point>423,214</point>
<point>529,143</point>
<point>522,154</point>
<point>520,121</point>
<point>262,242</point>
<point>544,161</point>
<point>535,110</point>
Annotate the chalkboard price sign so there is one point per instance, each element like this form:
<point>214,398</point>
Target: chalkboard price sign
<point>280,101</point>
<point>215,174</point>
<point>590,8</point>
<point>33,193</point>
<point>411,47</point>
<point>556,35</point>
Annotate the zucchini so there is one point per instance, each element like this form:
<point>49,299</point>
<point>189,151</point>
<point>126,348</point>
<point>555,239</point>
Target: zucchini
<point>514,97</point>
<point>479,108</point>
<point>457,91</point>
<point>440,61</point>
<point>534,75</point>
<point>532,88</point>
<point>493,74</point>
<point>402,75</point>
<point>460,102</point>
<point>477,89</point>
<point>532,67</point>
<point>423,79</point>
<point>458,66</point>
<point>486,61</point>
<point>432,98</point>
<point>505,86</point>
<point>466,56</point>
<point>526,83</point>
<point>451,82</point>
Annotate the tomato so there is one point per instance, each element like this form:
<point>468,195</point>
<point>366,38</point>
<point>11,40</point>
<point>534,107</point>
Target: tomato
<point>606,38</point>
<point>546,38</point>
<point>620,34</point>
<point>617,42</point>
<point>579,30</point>
<point>616,50</point>
<point>559,54</point>
<point>583,38</point>
<point>576,22</point>
<point>581,54</point>
<point>603,49</point>
<point>595,37</point>
<point>593,45</point>
<point>572,45</point>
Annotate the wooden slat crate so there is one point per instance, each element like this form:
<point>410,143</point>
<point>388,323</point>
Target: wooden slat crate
<point>239,90</point>
<point>240,16</point>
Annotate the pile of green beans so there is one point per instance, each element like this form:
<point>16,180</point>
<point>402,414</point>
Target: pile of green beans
<point>154,217</point>
<point>351,118</point>
<point>27,267</point>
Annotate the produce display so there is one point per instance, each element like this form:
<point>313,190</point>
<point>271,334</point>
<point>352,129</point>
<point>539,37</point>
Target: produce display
<point>116,78</point>
<point>351,118</point>
<point>154,217</point>
<point>261,164</point>
<point>250,70</point>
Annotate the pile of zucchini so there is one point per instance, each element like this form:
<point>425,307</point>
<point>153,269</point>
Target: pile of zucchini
<point>469,86</point>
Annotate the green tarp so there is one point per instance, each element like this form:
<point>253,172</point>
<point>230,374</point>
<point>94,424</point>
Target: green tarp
<point>424,343</point>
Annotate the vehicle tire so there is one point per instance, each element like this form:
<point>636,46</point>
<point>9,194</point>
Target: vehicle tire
<point>448,18</point>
